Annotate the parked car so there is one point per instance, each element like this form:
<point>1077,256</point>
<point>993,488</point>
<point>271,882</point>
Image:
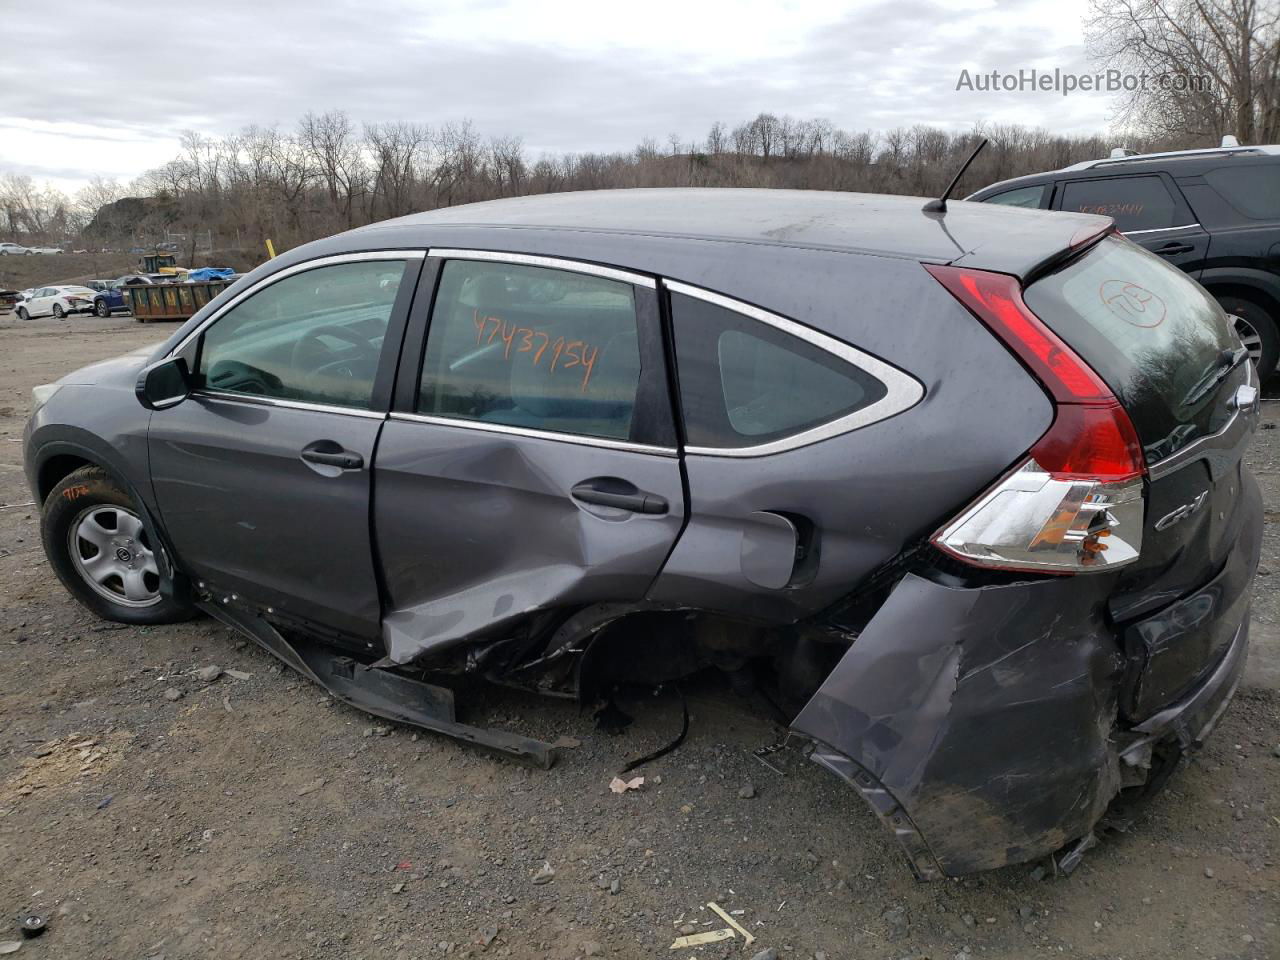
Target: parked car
<point>8,249</point>
<point>1214,213</point>
<point>108,298</point>
<point>975,522</point>
<point>59,302</point>
<point>46,249</point>
<point>8,300</point>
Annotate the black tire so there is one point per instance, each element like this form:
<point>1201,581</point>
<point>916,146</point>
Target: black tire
<point>22,314</point>
<point>58,312</point>
<point>1263,324</point>
<point>82,497</point>
<point>101,309</point>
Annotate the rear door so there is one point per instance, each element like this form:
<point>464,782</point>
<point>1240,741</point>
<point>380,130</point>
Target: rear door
<point>1149,209</point>
<point>530,460</point>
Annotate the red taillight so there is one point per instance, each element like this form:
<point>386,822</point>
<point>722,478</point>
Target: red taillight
<point>1090,442</point>
<point>1091,436</point>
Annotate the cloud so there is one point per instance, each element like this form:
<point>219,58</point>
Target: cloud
<point>559,75</point>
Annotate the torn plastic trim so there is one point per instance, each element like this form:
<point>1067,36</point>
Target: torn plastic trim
<point>886,807</point>
<point>381,693</point>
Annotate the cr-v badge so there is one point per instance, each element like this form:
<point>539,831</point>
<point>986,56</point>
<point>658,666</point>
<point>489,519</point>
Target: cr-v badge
<point>1182,512</point>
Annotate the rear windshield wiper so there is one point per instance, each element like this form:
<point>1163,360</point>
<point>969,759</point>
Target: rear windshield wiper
<point>1227,361</point>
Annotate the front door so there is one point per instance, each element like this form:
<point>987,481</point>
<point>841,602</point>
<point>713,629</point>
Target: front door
<point>530,463</point>
<point>262,474</point>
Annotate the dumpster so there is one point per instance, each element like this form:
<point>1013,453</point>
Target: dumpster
<point>170,301</point>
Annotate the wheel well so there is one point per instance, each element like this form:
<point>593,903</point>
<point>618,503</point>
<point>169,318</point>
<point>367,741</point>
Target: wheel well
<point>1252,294</point>
<point>55,468</point>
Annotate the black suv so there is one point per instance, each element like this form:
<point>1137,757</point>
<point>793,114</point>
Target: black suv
<point>1214,213</point>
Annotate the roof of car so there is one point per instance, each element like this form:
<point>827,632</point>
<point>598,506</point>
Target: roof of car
<point>895,226</point>
<point>1181,163</point>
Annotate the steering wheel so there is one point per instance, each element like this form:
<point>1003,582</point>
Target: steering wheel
<point>310,342</point>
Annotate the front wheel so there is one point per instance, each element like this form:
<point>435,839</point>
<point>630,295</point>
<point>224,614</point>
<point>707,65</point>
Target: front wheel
<point>101,309</point>
<point>58,312</point>
<point>1257,330</point>
<point>22,314</point>
<point>103,553</point>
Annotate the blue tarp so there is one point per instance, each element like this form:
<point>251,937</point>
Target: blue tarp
<point>203,274</point>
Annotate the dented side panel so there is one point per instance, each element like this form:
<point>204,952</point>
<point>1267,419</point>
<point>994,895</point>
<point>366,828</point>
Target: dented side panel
<point>984,712</point>
<point>476,529</point>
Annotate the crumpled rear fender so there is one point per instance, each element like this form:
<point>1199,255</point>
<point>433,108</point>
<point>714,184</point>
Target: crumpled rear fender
<point>976,720</point>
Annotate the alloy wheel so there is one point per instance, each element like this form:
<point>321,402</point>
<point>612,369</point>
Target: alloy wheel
<point>112,554</point>
<point>1249,336</point>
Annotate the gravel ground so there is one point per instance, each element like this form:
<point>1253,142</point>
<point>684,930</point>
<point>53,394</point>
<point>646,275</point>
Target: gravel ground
<point>149,813</point>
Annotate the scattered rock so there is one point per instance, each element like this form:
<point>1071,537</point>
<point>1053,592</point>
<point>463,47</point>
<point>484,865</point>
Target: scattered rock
<point>568,743</point>
<point>969,921</point>
<point>1275,751</point>
<point>769,953</point>
<point>312,787</point>
<point>545,874</point>
<point>209,674</point>
<point>399,888</point>
<point>615,888</point>
<point>1039,873</point>
<point>1025,912</point>
<point>896,918</point>
<point>488,934</point>
<point>748,792</point>
<point>10,946</point>
<point>238,674</point>
<point>687,929</point>
<point>1208,872</point>
<point>590,948</point>
<point>173,694</point>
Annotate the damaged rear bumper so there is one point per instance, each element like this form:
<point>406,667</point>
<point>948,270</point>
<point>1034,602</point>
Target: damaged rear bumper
<point>980,723</point>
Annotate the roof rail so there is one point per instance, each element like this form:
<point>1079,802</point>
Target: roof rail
<point>1130,157</point>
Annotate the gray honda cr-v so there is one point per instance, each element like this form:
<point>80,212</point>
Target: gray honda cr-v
<point>962,490</point>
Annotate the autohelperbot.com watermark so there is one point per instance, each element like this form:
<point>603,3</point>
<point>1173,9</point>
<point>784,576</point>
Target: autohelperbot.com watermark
<point>1065,82</point>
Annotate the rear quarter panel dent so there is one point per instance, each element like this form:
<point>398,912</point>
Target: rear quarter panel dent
<point>985,712</point>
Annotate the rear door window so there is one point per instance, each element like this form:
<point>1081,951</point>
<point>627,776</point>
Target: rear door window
<point>744,383</point>
<point>1154,335</point>
<point>532,347</point>
<point>1135,203</point>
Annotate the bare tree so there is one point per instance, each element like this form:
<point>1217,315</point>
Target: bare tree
<point>1213,65</point>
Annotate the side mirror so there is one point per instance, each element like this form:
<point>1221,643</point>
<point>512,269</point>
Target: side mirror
<point>164,384</point>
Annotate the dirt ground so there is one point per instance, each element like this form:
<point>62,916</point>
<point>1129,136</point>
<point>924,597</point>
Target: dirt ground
<point>252,817</point>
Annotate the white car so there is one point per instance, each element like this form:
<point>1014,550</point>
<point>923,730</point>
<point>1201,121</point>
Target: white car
<point>56,302</point>
<point>45,250</point>
<point>13,248</point>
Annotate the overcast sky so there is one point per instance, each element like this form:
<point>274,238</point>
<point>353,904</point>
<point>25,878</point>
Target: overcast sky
<point>104,87</point>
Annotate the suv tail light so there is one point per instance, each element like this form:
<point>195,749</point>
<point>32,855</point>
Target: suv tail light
<point>1075,503</point>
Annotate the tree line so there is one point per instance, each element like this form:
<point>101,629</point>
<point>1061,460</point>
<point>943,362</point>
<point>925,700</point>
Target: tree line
<point>328,174</point>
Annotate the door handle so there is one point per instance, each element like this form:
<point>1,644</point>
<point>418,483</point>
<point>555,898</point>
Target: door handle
<point>598,492</point>
<point>1173,248</point>
<point>322,452</point>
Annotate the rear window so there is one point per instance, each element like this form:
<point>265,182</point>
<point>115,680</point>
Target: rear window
<point>1253,191</point>
<point>1148,330</point>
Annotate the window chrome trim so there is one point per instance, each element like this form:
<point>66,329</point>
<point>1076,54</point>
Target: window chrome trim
<point>555,263</point>
<point>260,401</point>
<point>902,391</point>
<point>297,268</point>
<point>535,434</point>
<point>1181,226</point>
